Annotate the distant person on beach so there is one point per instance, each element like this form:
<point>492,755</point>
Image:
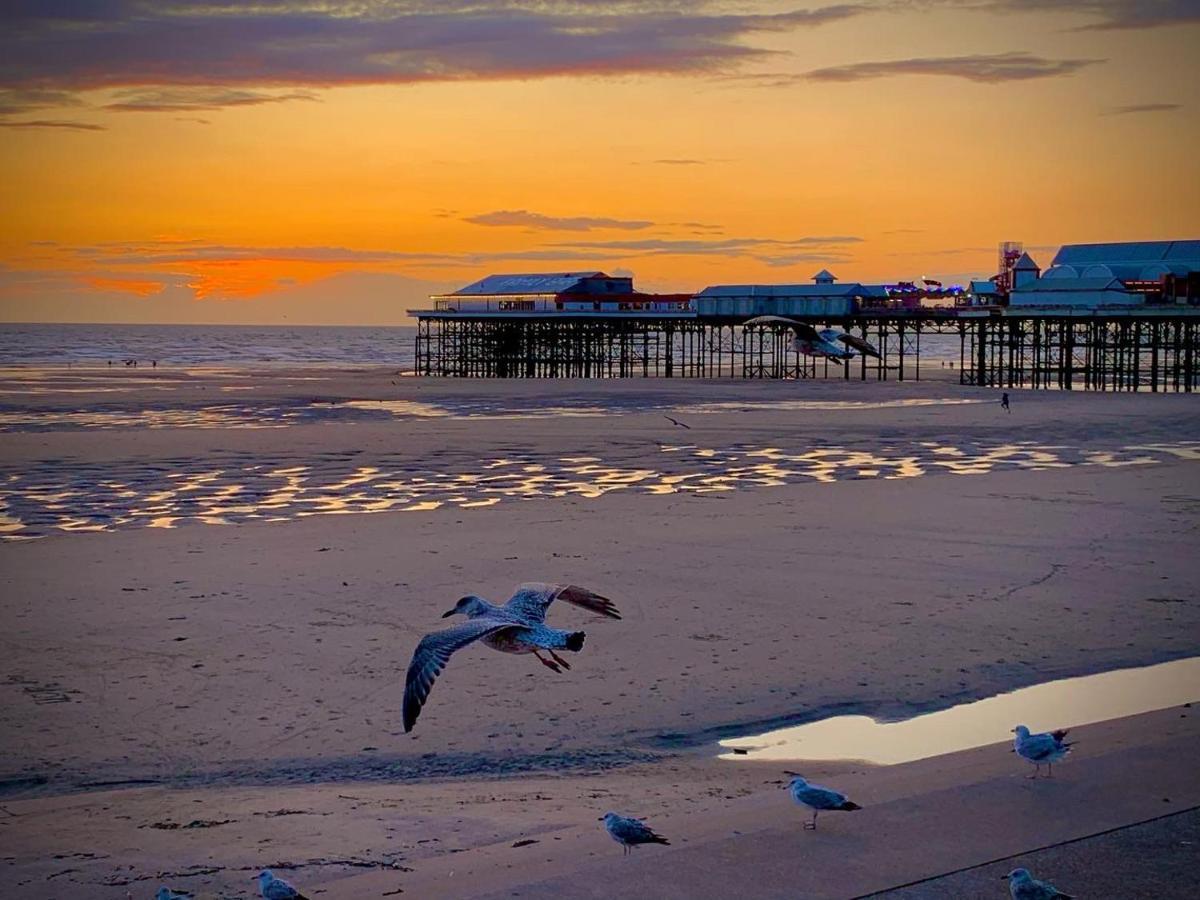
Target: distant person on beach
<point>1004,401</point>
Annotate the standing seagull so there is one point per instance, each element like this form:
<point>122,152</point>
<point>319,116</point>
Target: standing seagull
<point>517,627</point>
<point>818,798</point>
<point>1023,886</point>
<point>629,832</point>
<point>273,888</point>
<point>1047,747</point>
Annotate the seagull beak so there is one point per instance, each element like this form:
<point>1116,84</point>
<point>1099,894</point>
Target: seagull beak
<point>447,615</point>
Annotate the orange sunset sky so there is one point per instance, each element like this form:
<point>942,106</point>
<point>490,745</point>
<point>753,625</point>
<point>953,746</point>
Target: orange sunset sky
<point>336,162</point>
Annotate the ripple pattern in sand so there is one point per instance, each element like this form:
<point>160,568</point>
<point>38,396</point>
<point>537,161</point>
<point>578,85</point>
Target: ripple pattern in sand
<point>70,496</point>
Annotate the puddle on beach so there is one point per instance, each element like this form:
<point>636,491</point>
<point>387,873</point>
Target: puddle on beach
<point>69,495</point>
<point>1043,707</point>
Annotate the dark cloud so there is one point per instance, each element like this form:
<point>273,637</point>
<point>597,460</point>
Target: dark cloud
<point>1113,15</point>
<point>19,102</point>
<point>522,217</point>
<point>1142,108</point>
<point>128,43</point>
<point>192,99</point>
<point>53,123</point>
<point>987,68</point>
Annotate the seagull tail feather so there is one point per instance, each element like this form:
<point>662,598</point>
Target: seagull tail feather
<point>849,806</point>
<point>575,641</point>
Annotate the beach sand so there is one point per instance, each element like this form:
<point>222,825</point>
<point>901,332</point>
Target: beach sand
<point>187,704</point>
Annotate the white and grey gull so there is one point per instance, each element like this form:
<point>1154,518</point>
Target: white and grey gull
<point>1047,747</point>
<point>519,626</point>
<point>1023,886</point>
<point>818,798</point>
<point>629,832</point>
<point>273,888</point>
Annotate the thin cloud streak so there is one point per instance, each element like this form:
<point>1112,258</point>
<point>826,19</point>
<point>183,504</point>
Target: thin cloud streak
<point>524,218</point>
<point>1136,108</point>
<point>54,123</point>
<point>195,99</point>
<point>983,68</point>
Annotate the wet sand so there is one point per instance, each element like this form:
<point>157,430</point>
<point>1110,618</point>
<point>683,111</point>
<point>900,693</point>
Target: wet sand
<point>775,563</point>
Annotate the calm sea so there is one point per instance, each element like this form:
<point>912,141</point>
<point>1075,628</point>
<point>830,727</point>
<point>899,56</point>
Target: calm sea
<point>207,344</point>
<point>199,345</point>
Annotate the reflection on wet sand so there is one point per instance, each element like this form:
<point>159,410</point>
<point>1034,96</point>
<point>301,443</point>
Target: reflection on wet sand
<point>67,495</point>
<point>1055,704</point>
<point>233,415</point>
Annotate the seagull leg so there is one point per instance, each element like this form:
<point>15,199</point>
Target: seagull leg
<point>1036,771</point>
<point>547,663</point>
<point>1049,770</point>
<point>558,659</point>
<point>812,826</point>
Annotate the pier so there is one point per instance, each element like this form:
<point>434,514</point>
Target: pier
<point>1077,327</point>
<point>1154,352</point>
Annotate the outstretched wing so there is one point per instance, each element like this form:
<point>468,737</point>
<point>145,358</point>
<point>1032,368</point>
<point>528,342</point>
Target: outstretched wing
<point>804,331</point>
<point>858,344</point>
<point>530,601</point>
<point>431,657</point>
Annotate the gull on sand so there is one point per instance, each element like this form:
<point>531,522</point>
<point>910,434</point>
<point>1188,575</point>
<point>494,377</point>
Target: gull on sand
<point>1047,747</point>
<point>1023,886</point>
<point>519,626</point>
<point>818,798</point>
<point>629,832</point>
<point>273,888</point>
<point>165,893</point>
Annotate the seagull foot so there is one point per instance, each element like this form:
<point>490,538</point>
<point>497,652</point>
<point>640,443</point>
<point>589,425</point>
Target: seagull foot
<point>558,659</point>
<point>547,663</point>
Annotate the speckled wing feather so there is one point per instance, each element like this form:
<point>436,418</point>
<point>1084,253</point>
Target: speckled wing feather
<point>634,831</point>
<point>1038,890</point>
<point>1038,747</point>
<point>431,657</point>
<point>278,889</point>
<point>803,330</point>
<point>858,344</point>
<point>531,600</point>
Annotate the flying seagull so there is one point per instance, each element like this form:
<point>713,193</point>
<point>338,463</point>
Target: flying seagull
<point>273,888</point>
<point>677,422</point>
<point>1047,747</point>
<point>1023,886</point>
<point>810,342</point>
<point>817,798</point>
<point>629,832</point>
<point>519,626</point>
